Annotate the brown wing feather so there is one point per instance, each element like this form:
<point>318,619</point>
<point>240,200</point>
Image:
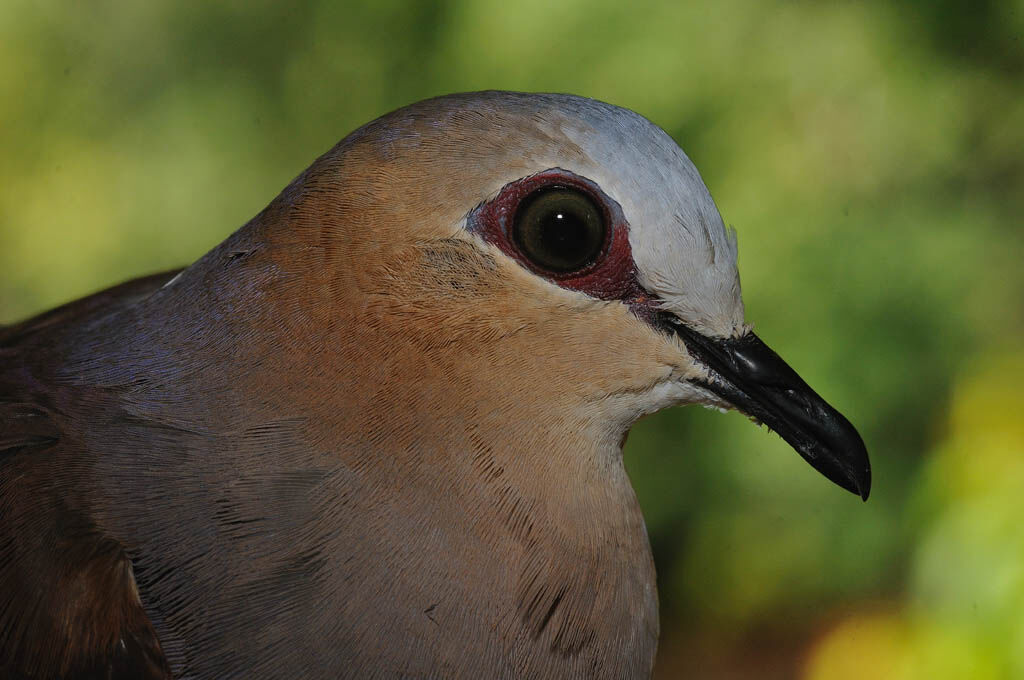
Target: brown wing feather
<point>69,605</point>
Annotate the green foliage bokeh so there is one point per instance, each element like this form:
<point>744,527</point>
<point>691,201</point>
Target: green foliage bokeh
<point>870,156</point>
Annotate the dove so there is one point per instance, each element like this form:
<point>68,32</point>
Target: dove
<point>377,432</point>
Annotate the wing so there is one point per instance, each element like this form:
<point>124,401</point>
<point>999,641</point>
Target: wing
<point>69,604</point>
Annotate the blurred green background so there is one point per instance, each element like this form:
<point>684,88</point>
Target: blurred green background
<point>870,155</point>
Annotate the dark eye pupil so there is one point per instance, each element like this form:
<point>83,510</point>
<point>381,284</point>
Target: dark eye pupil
<point>563,235</point>
<point>560,230</point>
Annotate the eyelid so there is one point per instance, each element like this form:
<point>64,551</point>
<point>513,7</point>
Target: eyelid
<point>611,276</point>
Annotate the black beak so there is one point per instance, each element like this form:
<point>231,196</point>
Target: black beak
<point>746,373</point>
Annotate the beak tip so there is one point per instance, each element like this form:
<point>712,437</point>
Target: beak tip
<point>849,469</point>
<point>857,480</point>
<point>864,484</point>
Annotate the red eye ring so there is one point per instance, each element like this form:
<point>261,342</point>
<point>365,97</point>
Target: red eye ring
<point>611,275</point>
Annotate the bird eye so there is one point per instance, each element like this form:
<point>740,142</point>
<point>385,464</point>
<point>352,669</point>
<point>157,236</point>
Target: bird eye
<point>560,229</point>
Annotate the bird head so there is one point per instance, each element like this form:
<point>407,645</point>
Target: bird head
<point>548,261</point>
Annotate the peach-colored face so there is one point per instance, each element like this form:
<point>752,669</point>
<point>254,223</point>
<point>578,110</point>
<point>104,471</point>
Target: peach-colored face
<point>406,209</point>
